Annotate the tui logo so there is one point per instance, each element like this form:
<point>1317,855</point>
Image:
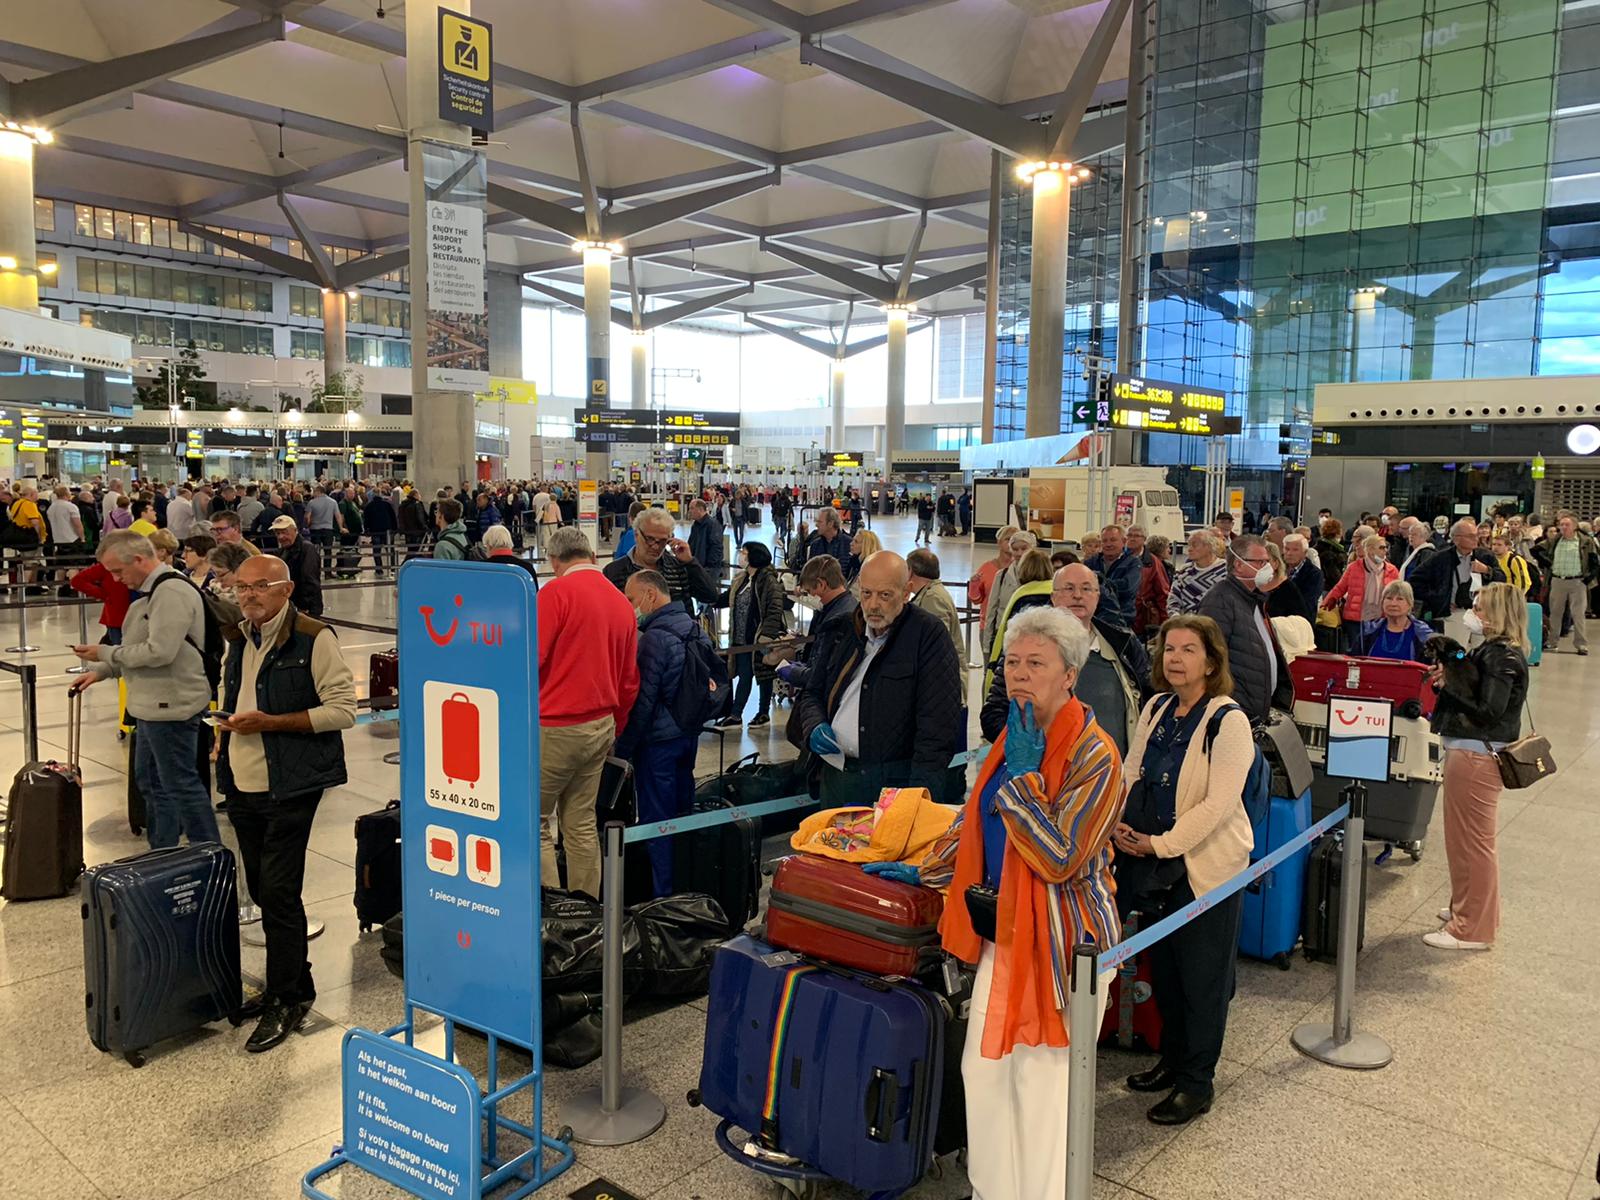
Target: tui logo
<point>448,635</point>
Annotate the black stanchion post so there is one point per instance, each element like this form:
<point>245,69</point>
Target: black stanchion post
<point>612,1115</point>
<point>82,668</point>
<point>1338,1044</point>
<point>29,675</point>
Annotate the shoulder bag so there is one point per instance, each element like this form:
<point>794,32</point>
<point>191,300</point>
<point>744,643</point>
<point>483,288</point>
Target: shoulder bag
<point>1525,761</point>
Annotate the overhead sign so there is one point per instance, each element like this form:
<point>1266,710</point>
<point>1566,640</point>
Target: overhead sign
<point>469,795</point>
<point>1359,730</point>
<point>1095,408</point>
<point>1154,406</point>
<point>466,71</point>
<point>599,427</point>
<point>700,420</point>
<point>456,338</point>
<point>410,1118</point>
<point>196,447</point>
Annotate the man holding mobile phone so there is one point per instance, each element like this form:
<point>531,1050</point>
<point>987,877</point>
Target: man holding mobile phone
<point>287,693</point>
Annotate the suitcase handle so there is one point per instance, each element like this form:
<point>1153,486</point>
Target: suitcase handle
<point>882,1092</point>
<point>74,726</point>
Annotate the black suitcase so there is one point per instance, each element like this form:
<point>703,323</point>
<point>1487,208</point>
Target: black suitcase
<point>138,814</point>
<point>1319,929</point>
<point>393,950</point>
<point>377,895</point>
<point>160,946</point>
<point>723,861</point>
<point>44,823</point>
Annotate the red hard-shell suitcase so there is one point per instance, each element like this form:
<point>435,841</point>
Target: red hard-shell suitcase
<point>459,723</point>
<point>1318,676</point>
<point>836,912</point>
<point>1132,1021</point>
<point>383,680</point>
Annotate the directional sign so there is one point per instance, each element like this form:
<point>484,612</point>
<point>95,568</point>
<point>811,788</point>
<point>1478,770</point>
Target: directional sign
<point>469,794</point>
<point>1154,406</point>
<point>1359,729</point>
<point>466,71</point>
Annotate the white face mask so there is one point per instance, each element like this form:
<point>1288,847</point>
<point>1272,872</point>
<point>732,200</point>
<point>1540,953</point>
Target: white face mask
<point>1263,573</point>
<point>1474,623</point>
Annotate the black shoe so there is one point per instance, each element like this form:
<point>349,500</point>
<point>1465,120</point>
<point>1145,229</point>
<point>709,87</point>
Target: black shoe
<point>730,722</point>
<point>1158,1078</point>
<point>277,1023</point>
<point>222,805</point>
<point>1583,651</point>
<point>252,1008</point>
<point>759,720</point>
<point>1179,1109</point>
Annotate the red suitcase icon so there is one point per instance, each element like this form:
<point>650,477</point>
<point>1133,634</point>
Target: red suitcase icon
<point>459,739</point>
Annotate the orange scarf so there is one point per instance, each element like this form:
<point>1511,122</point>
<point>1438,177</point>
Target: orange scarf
<point>1022,1005</point>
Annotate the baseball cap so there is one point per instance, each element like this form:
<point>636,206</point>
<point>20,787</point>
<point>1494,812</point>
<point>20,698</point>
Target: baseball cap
<point>283,523</point>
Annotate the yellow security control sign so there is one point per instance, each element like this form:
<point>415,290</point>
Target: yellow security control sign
<point>466,69</point>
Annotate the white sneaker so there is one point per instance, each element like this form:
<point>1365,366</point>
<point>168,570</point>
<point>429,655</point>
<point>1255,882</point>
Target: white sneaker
<point>1446,915</point>
<point>1448,941</point>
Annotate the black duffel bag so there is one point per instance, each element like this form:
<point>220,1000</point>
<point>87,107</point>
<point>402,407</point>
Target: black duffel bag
<point>679,936</point>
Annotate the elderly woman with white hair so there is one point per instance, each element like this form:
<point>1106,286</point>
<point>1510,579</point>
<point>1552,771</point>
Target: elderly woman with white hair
<point>1397,634</point>
<point>1027,868</point>
<point>1204,567</point>
<point>497,545</point>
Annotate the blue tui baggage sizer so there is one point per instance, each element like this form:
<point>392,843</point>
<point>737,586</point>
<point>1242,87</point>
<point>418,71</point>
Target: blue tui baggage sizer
<point>839,1070</point>
<point>160,946</point>
<point>1273,904</point>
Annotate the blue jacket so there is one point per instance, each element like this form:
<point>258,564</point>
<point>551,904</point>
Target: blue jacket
<point>661,654</point>
<point>1119,581</point>
<point>705,543</point>
<point>839,547</point>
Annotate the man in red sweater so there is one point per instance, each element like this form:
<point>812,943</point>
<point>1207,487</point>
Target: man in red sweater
<point>588,678</point>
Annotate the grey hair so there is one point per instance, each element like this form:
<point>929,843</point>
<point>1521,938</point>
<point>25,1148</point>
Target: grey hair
<point>1402,589</point>
<point>652,516</point>
<point>229,557</point>
<point>1280,523</point>
<point>567,543</point>
<point>126,545</point>
<point>1023,535</point>
<point>497,537</point>
<point>1054,625</point>
<point>1297,539</point>
<point>1465,523</point>
<point>1212,537</point>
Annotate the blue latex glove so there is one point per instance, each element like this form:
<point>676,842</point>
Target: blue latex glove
<point>899,872</point>
<point>1024,740</point>
<point>823,741</point>
<point>785,672</point>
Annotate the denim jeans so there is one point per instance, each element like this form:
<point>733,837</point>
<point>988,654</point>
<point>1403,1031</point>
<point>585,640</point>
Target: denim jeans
<point>176,800</point>
<point>663,780</point>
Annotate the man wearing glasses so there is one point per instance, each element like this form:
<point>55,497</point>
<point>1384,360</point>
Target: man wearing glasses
<point>656,548</point>
<point>1261,678</point>
<point>289,694</point>
<point>1115,679</point>
<point>228,528</point>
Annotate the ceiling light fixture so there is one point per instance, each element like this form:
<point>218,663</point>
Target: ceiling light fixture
<point>583,244</point>
<point>38,133</point>
<point>1027,170</point>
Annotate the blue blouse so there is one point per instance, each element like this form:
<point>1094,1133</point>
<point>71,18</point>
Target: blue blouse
<point>994,827</point>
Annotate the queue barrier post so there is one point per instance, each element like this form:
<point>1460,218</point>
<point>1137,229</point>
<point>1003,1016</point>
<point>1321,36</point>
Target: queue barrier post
<point>82,668</point>
<point>1338,1044</point>
<point>23,646</point>
<point>612,1115</point>
<point>1082,1009</point>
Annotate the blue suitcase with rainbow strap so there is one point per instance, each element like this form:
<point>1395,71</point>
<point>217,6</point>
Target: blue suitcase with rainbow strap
<point>839,1070</point>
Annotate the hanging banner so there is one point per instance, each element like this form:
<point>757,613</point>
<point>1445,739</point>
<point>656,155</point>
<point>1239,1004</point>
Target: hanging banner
<point>466,71</point>
<point>456,262</point>
<point>589,510</point>
<point>469,795</point>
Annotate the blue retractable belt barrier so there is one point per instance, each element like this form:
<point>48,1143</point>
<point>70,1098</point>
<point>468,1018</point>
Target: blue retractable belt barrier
<point>719,816</point>
<point>1122,951</point>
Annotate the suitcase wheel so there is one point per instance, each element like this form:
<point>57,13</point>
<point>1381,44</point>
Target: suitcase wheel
<point>693,1098</point>
<point>1282,961</point>
<point>138,830</point>
<point>135,1059</point>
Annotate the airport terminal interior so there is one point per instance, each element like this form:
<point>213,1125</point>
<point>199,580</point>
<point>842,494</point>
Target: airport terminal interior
<point>948,268</point>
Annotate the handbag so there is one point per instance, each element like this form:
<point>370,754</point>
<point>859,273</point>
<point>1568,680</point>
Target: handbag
<point>1525,761</point>
<point>1328,618</point>
<point>983,910</point>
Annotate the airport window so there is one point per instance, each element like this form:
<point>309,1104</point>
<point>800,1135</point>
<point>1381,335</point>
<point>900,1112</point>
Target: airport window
<point>44,215</point>
<point>110,277</point>
<point>953,437</point>
<point>153,329</point>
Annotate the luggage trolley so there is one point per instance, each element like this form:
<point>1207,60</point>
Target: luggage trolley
<point>1398,812</point>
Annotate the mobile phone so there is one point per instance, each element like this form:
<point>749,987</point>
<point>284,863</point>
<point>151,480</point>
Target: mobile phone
<point>215,719</point>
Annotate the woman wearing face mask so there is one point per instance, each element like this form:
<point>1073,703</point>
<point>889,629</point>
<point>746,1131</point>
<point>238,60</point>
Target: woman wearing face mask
<point>1478,713</point>
<point>1185,830</point>
<point>1360,590</point>
<point>755,597</point>
<point>1027,869</point>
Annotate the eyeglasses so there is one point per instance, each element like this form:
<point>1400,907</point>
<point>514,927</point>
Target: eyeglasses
<point>257,589</point>
<point>654,541</point>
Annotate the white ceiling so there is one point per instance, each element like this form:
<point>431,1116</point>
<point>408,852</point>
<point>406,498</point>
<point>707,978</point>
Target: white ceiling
<point>673,95</point>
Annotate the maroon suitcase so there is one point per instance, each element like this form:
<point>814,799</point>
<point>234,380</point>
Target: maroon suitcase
<point>1318,676</point>
<point>383,680</point>
<point>836,912</point>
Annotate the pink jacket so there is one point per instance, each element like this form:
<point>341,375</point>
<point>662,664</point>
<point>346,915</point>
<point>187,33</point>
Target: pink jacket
<point>1352,586</point>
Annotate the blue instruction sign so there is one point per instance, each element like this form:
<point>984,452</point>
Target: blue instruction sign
<point>1359,730</point>
<point>469,794</point>
<point>410,1118</point>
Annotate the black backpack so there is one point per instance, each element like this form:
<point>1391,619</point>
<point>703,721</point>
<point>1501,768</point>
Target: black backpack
<point>219,614</point>
<point>705,691</point>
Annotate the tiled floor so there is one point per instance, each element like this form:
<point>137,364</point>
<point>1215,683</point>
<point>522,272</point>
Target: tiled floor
<point>1492,1093</point>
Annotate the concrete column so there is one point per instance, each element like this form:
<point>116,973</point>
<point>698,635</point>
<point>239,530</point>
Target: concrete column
<point>836,408</point>
<point>1047,314</point>
<point>641,369</point>
<point>19,286</point>
<point>505,325</point>
<point>335,309</point>
<point>442,451</point>
<point>894,413</point>
<point>991,302</point>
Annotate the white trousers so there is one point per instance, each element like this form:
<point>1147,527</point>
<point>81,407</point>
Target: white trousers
<point>1016,1107</point>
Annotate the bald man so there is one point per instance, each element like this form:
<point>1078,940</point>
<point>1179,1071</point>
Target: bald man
<point>279,753</point>
<point>881,712</point>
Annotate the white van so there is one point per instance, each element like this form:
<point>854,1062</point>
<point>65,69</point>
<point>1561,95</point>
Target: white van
<point>1056,502</point>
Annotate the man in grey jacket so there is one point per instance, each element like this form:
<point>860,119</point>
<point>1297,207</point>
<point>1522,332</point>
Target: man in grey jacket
<point>1261,680</point>
<point>161,658</point>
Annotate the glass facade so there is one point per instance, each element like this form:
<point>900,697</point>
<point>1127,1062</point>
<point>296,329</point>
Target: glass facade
<point>1349,190</point>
